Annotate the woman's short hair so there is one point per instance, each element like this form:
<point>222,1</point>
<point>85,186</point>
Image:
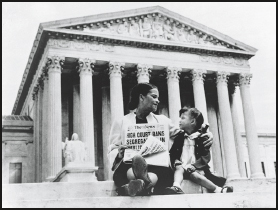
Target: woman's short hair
<point>194,113</point>
<point>140,88</point>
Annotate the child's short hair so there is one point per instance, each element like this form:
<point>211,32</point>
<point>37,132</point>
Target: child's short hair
<point>194,113</point>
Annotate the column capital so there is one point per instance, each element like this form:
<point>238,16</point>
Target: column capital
<point>144,70</point>
<point>86,65</point>
<point>222,77</point>
<point>115,69</point>
<point>198,75</point>
<point>55,63</point>
<point>245,79</point>
<point>173,73</point>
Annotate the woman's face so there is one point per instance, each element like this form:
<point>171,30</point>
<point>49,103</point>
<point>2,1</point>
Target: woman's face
<point>150,101</point>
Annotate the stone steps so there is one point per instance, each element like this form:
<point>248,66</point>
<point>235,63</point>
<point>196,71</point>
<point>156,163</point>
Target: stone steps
<point>102,194</point>
<point>208,200</point>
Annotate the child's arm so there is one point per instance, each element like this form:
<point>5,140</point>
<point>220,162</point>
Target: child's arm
<point>202,161</point>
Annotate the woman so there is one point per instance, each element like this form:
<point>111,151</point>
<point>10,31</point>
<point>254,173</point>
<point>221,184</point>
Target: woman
<point>139,178</point>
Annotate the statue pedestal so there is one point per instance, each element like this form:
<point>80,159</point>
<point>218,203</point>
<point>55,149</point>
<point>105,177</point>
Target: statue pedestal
<point>77,172</point>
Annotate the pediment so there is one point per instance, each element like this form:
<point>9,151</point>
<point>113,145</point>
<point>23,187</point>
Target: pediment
<point>152,24</point>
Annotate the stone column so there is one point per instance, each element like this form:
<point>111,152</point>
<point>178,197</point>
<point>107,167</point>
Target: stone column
<point>45,139</point>
<point>143,73</point>
<point>238,139</point>
<point>200,97</point>
<point>211,97</point>
<point>227,126</point>
<point>86,107</point>
<point>199,92</point>
<point>36,132</point>
<point>250,127</point>
<point>39,112</point>
<point>76,109</point>
<point>54,115</point>
<point>106,125</point>
<point>116,91</point>
<point>174,93</point>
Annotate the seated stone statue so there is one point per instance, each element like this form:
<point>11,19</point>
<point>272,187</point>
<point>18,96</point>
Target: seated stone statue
<point>169,32</point>
<point>146,28</point>
<point>75,150</point>
<point>134,28</point>
<point>157,29</point>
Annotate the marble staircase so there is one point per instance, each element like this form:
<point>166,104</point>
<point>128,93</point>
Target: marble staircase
<point>247,193</point>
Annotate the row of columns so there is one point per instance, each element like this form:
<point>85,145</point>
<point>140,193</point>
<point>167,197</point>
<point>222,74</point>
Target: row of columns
<point>52,116</point>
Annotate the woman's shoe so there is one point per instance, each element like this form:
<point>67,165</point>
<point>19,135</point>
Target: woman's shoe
<point>140,170</point>
<point>133,188</point>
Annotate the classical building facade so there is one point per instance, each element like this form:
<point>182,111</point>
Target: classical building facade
<point>81,70</point>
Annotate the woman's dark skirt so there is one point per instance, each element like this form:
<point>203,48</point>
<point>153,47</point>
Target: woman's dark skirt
<point>165,176</point>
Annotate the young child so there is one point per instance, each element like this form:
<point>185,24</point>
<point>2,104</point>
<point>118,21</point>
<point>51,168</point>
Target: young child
<point>190,159</point>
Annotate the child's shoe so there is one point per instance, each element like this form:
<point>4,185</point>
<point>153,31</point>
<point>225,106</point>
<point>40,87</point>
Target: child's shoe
<point>173,190</point>
<point>230,189</point>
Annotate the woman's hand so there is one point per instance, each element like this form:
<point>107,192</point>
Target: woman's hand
<point>121,150</point>
<point>208,139</point>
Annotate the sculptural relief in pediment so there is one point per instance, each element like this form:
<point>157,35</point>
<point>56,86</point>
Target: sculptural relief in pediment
<point>156,27</point>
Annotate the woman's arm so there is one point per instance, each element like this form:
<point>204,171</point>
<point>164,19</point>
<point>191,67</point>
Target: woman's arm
<point>115,141</point>
<point>207,142</point>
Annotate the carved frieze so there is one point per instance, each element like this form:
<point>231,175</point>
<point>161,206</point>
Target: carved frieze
<point>229,60</point>
<point>153,26</point>
<point>80,45</point>
<point>64,43</point>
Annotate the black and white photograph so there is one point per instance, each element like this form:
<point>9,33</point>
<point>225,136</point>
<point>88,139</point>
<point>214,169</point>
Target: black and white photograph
<point>139,105</point>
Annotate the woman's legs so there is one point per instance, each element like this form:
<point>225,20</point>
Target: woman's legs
<point>120,175</point>
<point>152,176</point>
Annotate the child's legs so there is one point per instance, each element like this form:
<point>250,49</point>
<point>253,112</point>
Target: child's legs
<point>178,175</point>
<point>202,180</point>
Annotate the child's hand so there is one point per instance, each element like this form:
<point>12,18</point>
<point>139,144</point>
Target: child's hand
<point>189,168</point>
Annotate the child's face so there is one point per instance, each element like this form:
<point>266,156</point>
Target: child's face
<point>186,122</point>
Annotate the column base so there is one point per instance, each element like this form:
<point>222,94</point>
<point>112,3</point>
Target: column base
<point>49,179</point>
<point>77,172</point>
<point>258,175</point>
<point>233,176</point>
